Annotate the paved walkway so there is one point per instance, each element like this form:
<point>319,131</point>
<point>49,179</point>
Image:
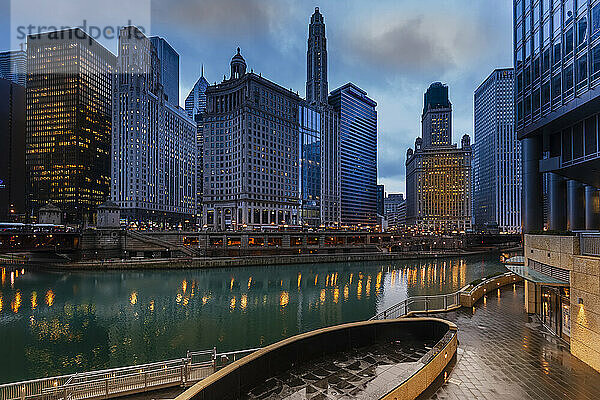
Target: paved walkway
<point>504,354</point>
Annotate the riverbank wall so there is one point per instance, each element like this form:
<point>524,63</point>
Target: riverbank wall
<point>225,262</point>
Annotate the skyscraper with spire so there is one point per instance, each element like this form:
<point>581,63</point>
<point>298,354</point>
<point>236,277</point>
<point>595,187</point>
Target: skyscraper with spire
<point>317,90</point>
<point>317,93</point>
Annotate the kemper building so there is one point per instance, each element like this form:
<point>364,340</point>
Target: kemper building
<point>251,160</point>
<point>438,173</point>
<point>153,140</point>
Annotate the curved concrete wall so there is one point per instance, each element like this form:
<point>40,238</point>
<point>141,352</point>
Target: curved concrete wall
<point>239,377</point>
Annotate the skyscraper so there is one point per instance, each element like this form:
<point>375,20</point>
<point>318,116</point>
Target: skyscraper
<point>329,200</point>
<point>358,154</point>
<point>380,199</point>
<point>251,160</point>
<point>310,165</point>
<point>496,155</point>
<point>195,106</point>
<point>12,142</point>
<point>438,175</point>
<point>436,120</point>
<point>153,143</point>
<point>317,89</point>
<point>13,66</point>
<point>169,69</point>
<point>69,118</point>
<point>195,102</point>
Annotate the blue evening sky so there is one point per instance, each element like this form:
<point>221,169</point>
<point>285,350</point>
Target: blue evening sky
<point>393,49</point>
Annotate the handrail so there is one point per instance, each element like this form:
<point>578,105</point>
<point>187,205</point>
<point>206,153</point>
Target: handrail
<point>115,382</point>
<point>402,308</point>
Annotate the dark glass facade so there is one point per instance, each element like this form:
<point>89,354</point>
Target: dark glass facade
<point>358,154</point>
<point>310,165</point>
<point>69,113</point>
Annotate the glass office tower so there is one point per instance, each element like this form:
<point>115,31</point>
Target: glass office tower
<point>358,154</point>
<point>169,69</point>
<point>310,165</point>
<point>496,155</point>
<point>69,118</point>
<point>557,69</point>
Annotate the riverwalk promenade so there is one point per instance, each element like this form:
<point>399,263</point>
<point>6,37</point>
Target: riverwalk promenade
<point>504,353</point>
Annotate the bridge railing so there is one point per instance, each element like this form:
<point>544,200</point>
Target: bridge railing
<point>589,244</point>
<point>123,381</point>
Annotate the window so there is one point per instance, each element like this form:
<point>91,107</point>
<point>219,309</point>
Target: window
<point>546,61</point>
<point>595,27</point>
<point>527,76</point>
<point>568,11</point>
<point>556,88</point>
<point>546,32</point>
<point>545,94</point>
<point>556,19</point>
<point>556,52</point>
<point>568,42</point>
<point>595,62</point>
<point>568,80</point>
<point>581,31</point>
<point>519,9</point>
<point>582,70</point>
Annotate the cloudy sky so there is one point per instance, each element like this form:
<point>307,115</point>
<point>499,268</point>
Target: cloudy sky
<point>393,49</point>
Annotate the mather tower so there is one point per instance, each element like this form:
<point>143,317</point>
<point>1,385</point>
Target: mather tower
<point>316,72</point>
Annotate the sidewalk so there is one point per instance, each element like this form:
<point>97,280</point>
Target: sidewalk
<point>504,354</point>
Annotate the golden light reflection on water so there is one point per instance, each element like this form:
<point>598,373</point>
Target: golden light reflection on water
<point>184,286</point>
<point>133,297</point>
<point>151,306</point>
<point>232,303</point>
<point>359,289</point>
<point>336,294</point>
<point>16,303</point>
<point>1,303</point>
<point>243,301</point>
<point>249,282</point>
<point>49,298</point>
<point>33,300</point>
<point>299,279</point>
<point>231,283</point>
<point>322,296</point>
<point>3,275</point>
<point>346,292</point>
<point>284,299</point>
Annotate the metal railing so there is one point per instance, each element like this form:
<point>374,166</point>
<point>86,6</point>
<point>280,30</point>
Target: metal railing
<point>589,244</point>
<point>116,382</point>
<point>435,303</point>
<point>425,304</point>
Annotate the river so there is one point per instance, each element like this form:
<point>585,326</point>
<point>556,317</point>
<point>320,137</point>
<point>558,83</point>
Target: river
<point>53,323</point>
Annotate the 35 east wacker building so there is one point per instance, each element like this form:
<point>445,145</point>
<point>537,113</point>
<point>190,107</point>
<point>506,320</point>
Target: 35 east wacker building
<point>69,118</point>
<point>153,140</point>
<point>438,173</point>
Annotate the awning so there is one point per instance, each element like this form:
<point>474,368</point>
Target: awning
<point>534,276</point>
<point>516,260</point>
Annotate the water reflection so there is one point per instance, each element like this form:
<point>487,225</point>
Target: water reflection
<point>104,319</point>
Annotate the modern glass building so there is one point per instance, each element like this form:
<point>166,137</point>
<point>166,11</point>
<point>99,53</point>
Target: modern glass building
<point>195,102</point>
<point>557,72</point>
<point>69,118</point>
<point>496,155</point>
<point>310,165</point>
<point>358,154</point>
<point>169,69</point>
<point>13,66</point>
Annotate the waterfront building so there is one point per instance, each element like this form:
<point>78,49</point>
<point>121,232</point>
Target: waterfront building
<point>557,71</point>
<point>12,141</point>
<point>438,174</point>
<point>358,155</point>
<point>153,143</point>
<point>13,66</point>
<point>496,155</point>
<point>380,199</point>
<point>251,152</point>
<point>395,210</point>
<point>317,91</point>
<point>69,117</point>
<point>310,165</point>
<point>169,69</point>
<point>195,106</point>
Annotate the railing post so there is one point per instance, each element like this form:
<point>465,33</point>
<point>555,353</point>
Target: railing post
<point>214,359</point>
<point>23,392</point>
<point>426,304</point>
<point>145,379</point>
<point>106,388</point>
<point>385,314</point>
<point>182,375</point>
<point>405,307</point>
<point>445,303</point>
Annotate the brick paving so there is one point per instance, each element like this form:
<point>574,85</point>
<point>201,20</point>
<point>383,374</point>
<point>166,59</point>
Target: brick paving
<point>506,354</point>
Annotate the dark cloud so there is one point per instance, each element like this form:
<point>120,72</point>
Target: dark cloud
<point>408,47</point>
